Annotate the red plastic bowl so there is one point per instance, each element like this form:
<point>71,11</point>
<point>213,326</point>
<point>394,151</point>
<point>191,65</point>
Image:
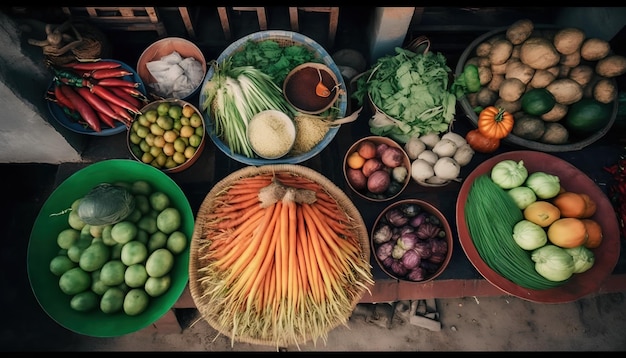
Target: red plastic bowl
<point>606,255</point>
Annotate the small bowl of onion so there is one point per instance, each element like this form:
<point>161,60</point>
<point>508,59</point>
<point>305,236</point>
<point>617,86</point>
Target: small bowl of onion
<point>412,241</point>
<point>377,168</point>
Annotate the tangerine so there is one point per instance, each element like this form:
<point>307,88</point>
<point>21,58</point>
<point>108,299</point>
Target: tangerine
<point>590,206</point>
<point>541,213</point>
<point>594,233</point>
<point>355,160</point>
<point>367,149</point>
<point>567,232</point>
<point>570,204</point>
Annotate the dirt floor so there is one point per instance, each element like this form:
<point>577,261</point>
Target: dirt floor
<point>502,323</point>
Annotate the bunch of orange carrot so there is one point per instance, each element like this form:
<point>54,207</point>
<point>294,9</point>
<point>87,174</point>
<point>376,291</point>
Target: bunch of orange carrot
<point>282,262</point>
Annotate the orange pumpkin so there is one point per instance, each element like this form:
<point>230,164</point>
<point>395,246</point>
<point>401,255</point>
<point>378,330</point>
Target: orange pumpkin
<point>495,122</point>
<point>481,143</point>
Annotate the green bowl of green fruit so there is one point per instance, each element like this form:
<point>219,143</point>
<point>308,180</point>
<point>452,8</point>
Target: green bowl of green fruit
<point>109,251</point>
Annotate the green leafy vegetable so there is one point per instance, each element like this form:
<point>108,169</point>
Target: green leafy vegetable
<point>467,82</point>
<point>269,57</point>
<point>412,89</point>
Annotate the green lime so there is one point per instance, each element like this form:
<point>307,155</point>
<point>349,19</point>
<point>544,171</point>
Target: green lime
<point>156,286</point>
<point>106,236</point>
<point>136,301</point>
<point>135,275</point>
<point>195,140</point>
<point>148,224</point>
<point>96,230</point>
<point>159,263</point>
<point>75,221</point>
<point>112,273</point>
<point>134,252</point>
<point>165,122</point>
<point>75,204</point>
<point>175,111</point>
<point>163,108</point>
<point>142,236</point>
<point>168,220</point>
<point>84,301</point>
<point>157,241</point>
<point>124,231</point>
<point>67,237</point>
<point>77,248</point>
<point>176,242</point>
<point>74,280</point>
<point>151,115</point>
<point>141,187</point>
<point>94,256</point>
<point>159,200</point>
<point>97,286</point>
<point>195,120</point>
<point>112,300</point>
<point>61,264</point>
<point>142,203</point>
<point>116,251</point>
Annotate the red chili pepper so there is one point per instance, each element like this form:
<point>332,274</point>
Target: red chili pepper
<point>96,102</point>
<point>126,96</point>
<point>82,107</point>
<point>62,99</point>
<point>95,65</point>
<point>109,96</point>
<point>123,113</point>
<point>135,93</point>
<point>117,82</point>
<point>109,73</point>
<point>106,119</point>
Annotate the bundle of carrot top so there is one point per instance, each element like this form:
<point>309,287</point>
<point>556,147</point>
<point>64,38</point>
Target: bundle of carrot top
<point>279,260</point>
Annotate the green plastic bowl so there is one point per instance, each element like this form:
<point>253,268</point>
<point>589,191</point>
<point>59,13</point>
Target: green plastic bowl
<point>43,247</point>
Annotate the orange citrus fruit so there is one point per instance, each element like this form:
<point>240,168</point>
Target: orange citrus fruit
<point>594,233</point>
<point>567,232</point>
<point>570,204</point>
<point>355,160</point>
<point>541,213</point>
<point>590,206</point>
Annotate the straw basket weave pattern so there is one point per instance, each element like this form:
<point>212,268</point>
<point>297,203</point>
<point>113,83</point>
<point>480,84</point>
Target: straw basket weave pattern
<point>210,304</point>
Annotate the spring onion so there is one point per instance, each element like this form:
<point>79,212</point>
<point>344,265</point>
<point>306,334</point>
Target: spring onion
<point>234,94</point>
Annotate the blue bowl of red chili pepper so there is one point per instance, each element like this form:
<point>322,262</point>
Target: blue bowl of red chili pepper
<point>71,119</point>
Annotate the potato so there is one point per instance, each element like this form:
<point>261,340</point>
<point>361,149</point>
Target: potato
<point>485,75</point>
<point>519,31</point>
<point>471,61</point>
<point>483,61</point>
<point>571,60</point>
<point>511,89</point>
<point>472,98</point>
<point>541,79</point>
<point>565,91</point>
<point>581,74</point>
<point>568,40</point>
<point>563,71</point>
<point>500,52</point>
<point>498,69</point>
<point>557,113</point>
<point>611,66</point>
<point>555,133</point>
<point>515,52</point>
<point>519,70</point>
<point>486,97</point>
<point>588,89</point>
<point>555,70</point>
<point>539,53</point>
<point>496,81</point>
<point>483,49</point>
<point>510,107</point>
<point>605,91</point>
<point>594,49</point>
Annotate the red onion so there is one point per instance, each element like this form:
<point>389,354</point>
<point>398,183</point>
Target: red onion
<point>406,228</point>
<point>398,268</point>
<point>439,246</point>
<point>437,258</point>
<point>411,259</point>
<point>417,220</point>
<point>384,251</point>
<point>407,240</point>
<point>382,234</point>
<point>427,231</point>
<point>416,274</point>
<point>422,248</point>
<point>396,218</point>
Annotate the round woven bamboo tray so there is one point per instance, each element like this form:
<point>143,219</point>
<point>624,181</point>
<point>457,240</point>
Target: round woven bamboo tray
<point>197,289</point>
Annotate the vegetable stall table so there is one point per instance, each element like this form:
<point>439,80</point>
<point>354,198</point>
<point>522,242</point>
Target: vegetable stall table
<point>460,278</point>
